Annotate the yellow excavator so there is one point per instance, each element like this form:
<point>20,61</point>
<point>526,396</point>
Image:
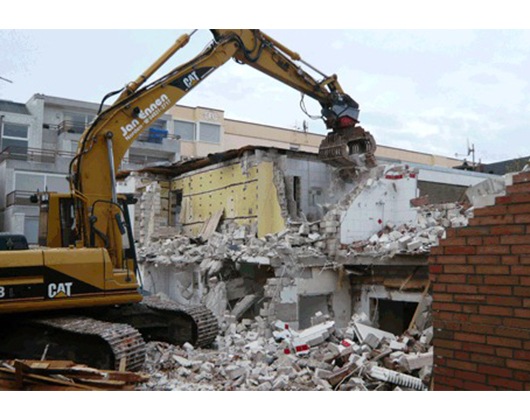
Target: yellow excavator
<point>78,296</point>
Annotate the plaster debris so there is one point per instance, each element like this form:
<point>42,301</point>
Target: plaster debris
<point>317,358</point>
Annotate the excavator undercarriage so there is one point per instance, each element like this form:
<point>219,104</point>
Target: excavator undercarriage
<point>108,337</point>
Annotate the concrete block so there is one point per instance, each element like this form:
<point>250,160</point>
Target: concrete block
<point>235,371</point>
<point>265,386</point>
<point>361,331</point>
<point>396,345</point>
<point>414,245</point>
<point>181,360</point>
<point>418,360</point>
<point>280,383</point>
<point>317,334</point>
<point>372,341</point>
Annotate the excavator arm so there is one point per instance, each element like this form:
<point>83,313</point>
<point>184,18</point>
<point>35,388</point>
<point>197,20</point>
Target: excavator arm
<point>104,144</point>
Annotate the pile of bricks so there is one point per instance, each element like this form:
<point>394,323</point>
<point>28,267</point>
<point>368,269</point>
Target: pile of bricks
<point>481,293</point>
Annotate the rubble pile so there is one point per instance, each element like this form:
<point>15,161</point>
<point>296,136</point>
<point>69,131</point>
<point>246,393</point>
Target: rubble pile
<point>306,240</point>
<point>414,238</point>
<point>252,356</point>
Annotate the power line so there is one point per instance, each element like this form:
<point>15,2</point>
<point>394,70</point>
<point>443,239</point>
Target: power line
<point>7,80</point>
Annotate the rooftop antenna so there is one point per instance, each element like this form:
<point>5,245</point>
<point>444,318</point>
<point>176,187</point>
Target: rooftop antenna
<point>470,151</point>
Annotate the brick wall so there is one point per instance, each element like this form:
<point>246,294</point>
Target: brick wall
<point>481,297</point>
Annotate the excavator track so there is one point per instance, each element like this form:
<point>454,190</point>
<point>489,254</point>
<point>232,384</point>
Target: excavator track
<point>205,327</point>
<point>96,343</point>
<point>350,147</point>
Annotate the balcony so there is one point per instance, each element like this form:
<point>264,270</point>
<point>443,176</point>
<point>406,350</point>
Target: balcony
<point>33,155</point>
<point>20,198</point>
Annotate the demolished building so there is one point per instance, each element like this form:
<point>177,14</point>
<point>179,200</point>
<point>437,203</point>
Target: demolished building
<point>279,235</point>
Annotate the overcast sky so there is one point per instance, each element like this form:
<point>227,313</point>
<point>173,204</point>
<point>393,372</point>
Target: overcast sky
<point>426,90</point>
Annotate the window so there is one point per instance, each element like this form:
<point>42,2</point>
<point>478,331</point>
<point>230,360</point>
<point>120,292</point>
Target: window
<point>185,130</point>
<point>15,136</point>
<point>210,133</point>
<point>33,182</point>
<point>31,229</point>
<point>76,122</point>
<point>156,133</point>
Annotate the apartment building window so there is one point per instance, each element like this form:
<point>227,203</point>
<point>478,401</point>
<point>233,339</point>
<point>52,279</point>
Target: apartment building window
<point>15,136</point>
<point>210,133</point>
<point>185,130</point>
<point>76,122</point>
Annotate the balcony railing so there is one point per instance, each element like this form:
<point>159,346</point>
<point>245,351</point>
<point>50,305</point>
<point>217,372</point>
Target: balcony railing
<point>33,155</point>
<point>21,198</point>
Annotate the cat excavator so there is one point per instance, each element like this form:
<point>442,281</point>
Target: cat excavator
<point>78,296</point>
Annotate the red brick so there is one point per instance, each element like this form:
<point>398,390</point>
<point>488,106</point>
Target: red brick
<point>521,291</point>
<point>521,178</point>
<point>508,230</point>
<point>476,329</point>
<point>448,325</point>
<point>436,269</point>
<point>443,297</point>
<point>452,259</point>
<point>436,250</point>
<point>475,386</point>
<point>510,259</point>
<point>461,355</point>
<point>524,259</point>
<point>494,220</point>
<point>491,211</point>
<point>474,241</point>
<point>518,188</point>
<point>525,281</point>
<point>445,334</point>
<point>440,387</point>
<point>452,242</point>
<point>459,364</point>
<point>526,303</point>
<point>516,323</point>
<point>467,337</point>
<point>483,259</point>
<point>512,332</point>
<point>517,270</point>
<point>447,344</point>
<point>506,383</point>
<point>522,313</point>
<point>493,249</point>
<point>460,250</point>
<point>519,208</point>
<point>452,278</point>
<point>519,198</point>
<point>470,309</point>
<point>520,249</point>
<point>469,298</point>
<point>504,342</point>
<point>481,319</point>
<point>520,354</point>
<point>503,301</point>
<point>491,240</point>
<point>518,364</point>
<point>444,380</point>
<point>515,239</point>
<point>478,348</point>
<point>459,269</point>
<point>504,199</point>
<point>461,288</point>
<point>473,231</point>
<point>495,290</point>
<point>488,360</point>
<point>522,218</point>
<point>470,376</point>
<point>493,269</point>
<point>522,376</point>
<point>444,352</point>
<point>501,280</point>
<point>496,371</point>
<point>445,306</point>
<point>474,279</point>
<point>504,352</point>
<point>438,287</point>
<point>496,310</point>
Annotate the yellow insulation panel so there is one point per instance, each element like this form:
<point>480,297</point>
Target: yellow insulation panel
<point>270,218</point>
<point>244,196</point>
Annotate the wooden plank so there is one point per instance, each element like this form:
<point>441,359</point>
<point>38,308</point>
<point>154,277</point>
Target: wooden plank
<point>210,225</point>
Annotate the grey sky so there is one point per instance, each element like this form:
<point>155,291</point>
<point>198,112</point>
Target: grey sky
<point>426,90</point>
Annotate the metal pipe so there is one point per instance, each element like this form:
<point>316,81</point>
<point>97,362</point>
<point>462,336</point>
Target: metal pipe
<point>110,152</point>
<point>179,43</point>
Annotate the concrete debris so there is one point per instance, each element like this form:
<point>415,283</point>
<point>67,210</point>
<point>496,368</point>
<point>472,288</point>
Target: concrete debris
<point>316,358</point>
